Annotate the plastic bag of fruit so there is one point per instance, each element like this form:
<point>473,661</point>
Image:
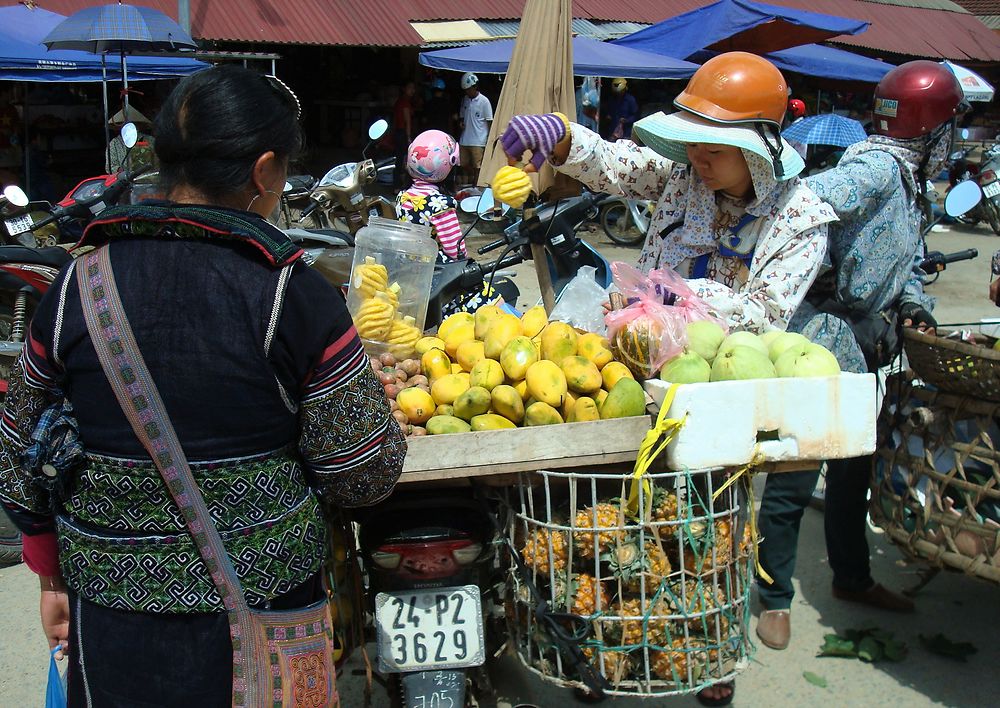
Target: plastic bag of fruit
<point>645,335</point>
<point>665,287</point>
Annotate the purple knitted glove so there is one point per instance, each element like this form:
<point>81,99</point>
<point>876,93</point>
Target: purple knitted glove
<point>538,133</point>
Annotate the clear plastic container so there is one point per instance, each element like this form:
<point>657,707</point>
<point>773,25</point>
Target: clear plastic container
<point>390,284</point>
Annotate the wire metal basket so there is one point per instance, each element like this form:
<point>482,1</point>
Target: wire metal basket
<point>663,581</point>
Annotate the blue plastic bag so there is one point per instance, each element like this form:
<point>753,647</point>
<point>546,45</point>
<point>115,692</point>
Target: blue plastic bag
<point>55,692</point>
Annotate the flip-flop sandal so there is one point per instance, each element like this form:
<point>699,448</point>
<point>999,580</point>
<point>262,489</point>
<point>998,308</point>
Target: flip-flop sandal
<point>724,701</point>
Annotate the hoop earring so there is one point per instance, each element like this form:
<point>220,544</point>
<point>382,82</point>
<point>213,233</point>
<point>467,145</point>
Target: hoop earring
<point>257,196</point>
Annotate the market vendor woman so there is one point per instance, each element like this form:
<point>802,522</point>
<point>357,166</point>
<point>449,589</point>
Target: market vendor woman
<point>731,214</point>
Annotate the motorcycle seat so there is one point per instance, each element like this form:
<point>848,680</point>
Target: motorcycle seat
<point>53,257</point>
<point>301,182</point>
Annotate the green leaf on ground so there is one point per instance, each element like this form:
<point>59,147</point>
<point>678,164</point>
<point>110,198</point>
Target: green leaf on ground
<point>894,650</point>
<point>941,645</point>
<point>870,650</point>
<point>814,679</point>
<point>834,645</point>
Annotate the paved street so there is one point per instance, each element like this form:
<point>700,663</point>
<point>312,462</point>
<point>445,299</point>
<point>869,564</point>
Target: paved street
<point>963,608</point>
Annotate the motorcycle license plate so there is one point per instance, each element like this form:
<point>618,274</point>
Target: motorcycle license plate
<point>426,630</point>
<point>992,189</point>
<point>19,224</point>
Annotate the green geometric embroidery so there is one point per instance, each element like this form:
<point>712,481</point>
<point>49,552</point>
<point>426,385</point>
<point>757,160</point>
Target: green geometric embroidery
<point>140,403</point>
<point>128,375</point>
<point>98,292</point>
<point>104,318</point>
<point>165,459</point>
<point>115,347</point>
<point>152,430</point>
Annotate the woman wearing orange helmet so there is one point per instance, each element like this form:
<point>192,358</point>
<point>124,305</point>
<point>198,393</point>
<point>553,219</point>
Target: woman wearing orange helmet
<point>731,214</point>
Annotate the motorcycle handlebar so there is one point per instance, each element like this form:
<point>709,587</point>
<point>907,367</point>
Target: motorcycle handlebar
<point>505,262</point>
<point>313,206</point>
<point>965,255</point>
<point>492,246</point>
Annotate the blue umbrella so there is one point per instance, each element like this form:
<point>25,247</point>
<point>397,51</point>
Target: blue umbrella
<point>825,129</point>
<point>121,29</point>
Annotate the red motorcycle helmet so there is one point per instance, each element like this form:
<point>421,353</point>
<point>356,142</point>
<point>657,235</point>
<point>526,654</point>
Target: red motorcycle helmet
<point>915,98</point>
<point>797,108</point>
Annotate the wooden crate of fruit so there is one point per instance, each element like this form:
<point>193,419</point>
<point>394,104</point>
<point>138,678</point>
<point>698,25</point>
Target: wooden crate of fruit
<point>661,585</point>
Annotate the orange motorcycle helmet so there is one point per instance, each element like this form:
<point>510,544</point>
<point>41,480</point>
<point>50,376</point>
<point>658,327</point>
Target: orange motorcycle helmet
<point>736,87</point>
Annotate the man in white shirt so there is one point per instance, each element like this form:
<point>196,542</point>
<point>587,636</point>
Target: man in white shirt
<point>475,117</point>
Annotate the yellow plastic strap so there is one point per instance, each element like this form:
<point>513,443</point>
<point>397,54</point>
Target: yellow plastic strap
<point>746,472</point>
<point>652,446</point>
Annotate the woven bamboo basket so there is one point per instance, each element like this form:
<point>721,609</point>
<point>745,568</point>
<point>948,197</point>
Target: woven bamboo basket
<point>664,584</point>
<point>955,366</point>
<point>936,488</point>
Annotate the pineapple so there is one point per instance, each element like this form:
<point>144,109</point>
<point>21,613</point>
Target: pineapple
<point>701,599</point>
<point>536,550</point>
<point>673,665</point>
<point>746,547</point>
<point>664,510</point>
<point>629,631</point>
<point>698,557</point>
<point>603,536</point>
<point>629,565</point>
<point>616,664</point>
<point>589,595</point>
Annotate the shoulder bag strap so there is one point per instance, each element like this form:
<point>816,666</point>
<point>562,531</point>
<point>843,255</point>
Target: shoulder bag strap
<point>140,401</point>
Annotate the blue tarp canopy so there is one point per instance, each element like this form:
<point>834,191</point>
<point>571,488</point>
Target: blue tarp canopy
<point>731,25</point>
<point>830,63</point>
<point>590,58</point>
<point>24,58</point>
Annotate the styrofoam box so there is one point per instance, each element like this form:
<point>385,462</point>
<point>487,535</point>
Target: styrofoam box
<point>792,419</point>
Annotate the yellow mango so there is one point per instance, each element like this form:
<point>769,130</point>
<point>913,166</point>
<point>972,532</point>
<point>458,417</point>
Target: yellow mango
<point>453,321</point>
<point>626,399</point>
<point>444,409</point>
<point>508,403</point>
<point>569,401</point>
<point>594,347</point>
<point>521,386</point>
<point>558,341</point>
<point>446,424</point>
<point>517,356</point>
<point>425,344</point>
<point>582,375</point>
<point>539,413</point>
<point>503,329</point>
<point>462,332</point>
<point>600,397</point>
<point>456,368</point>
<point>533,321</point>
<point>469,353</point>
<point>448,388</point>
<point>435,364</point>
<point>484,317</point>
<point>474,401</point>
<point>416,403</point>
<point>613,372</point>
<point>491,421</point>
<point>546,382</point>
<point>487,374</point>
<point>585,409</point>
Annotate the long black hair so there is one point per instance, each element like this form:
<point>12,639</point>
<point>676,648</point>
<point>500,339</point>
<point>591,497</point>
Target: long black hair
<point>216,123</point>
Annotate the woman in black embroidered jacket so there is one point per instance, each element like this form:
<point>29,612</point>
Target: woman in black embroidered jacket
<point>263,377</point>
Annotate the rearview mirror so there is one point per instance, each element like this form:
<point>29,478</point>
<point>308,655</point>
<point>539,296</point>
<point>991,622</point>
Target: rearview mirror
<point>962,198</point>
<point>469,204</point>
<point>15,195</point>
<point>287,188</point>
<point>965,133</point>
<point>486,202</point>
<point>130,135</point>
<point>377,129</point>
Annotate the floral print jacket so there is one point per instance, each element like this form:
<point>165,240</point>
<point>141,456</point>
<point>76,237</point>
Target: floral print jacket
<point>791,227</point>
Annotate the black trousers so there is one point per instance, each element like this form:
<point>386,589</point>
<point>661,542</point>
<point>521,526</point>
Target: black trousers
<point>785,499</point>
<point>140,660</point>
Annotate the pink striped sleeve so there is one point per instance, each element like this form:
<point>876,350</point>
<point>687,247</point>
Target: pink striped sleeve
<point>449,233</point>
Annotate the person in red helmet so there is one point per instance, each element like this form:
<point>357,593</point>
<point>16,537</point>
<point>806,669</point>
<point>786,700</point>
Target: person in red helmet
<point>866,288</point>
<point>796,112</point>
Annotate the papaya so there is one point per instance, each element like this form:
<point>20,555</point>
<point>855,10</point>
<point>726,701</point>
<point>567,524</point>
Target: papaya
<point>472,402</point>
<point>540,413</point>
<point>461,332</point>
<point>447,424</point>
<point>456,368</point>
<point>448,388</point>
<point>486,373</point>
<point>600,397</point>
<point>613,372</point>
<point>416,403</point>
<point>453,321</point>
<point>569,401</point>
<point>435,364</point>
<point>595,348</point>
<point>484,317</point>
<point>585,408</point>
<point>425,344</point>
<point>515,358</point>
<point>625,400</point>
<point>444,409</point>
<point>582,375</point>
<point>558,341</point>
<point>521,387</point>
<point>546,382</point>
<point>469,353</point>
<point>508,403</point>
<point>491,421</point>
<point>534,320</point>
<point>503,329</point>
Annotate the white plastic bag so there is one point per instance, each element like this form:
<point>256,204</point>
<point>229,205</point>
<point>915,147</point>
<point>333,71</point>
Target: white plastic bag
<point>581,303</point>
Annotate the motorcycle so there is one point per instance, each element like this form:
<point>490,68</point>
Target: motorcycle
<point>985,176</point>
<point>338,200</point>
<point>626,221</point>
<point>964,197</point>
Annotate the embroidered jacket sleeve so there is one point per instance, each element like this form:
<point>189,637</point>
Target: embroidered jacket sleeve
<point>619,168</point>
<point>351,445</point>
<point>775,290</point>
